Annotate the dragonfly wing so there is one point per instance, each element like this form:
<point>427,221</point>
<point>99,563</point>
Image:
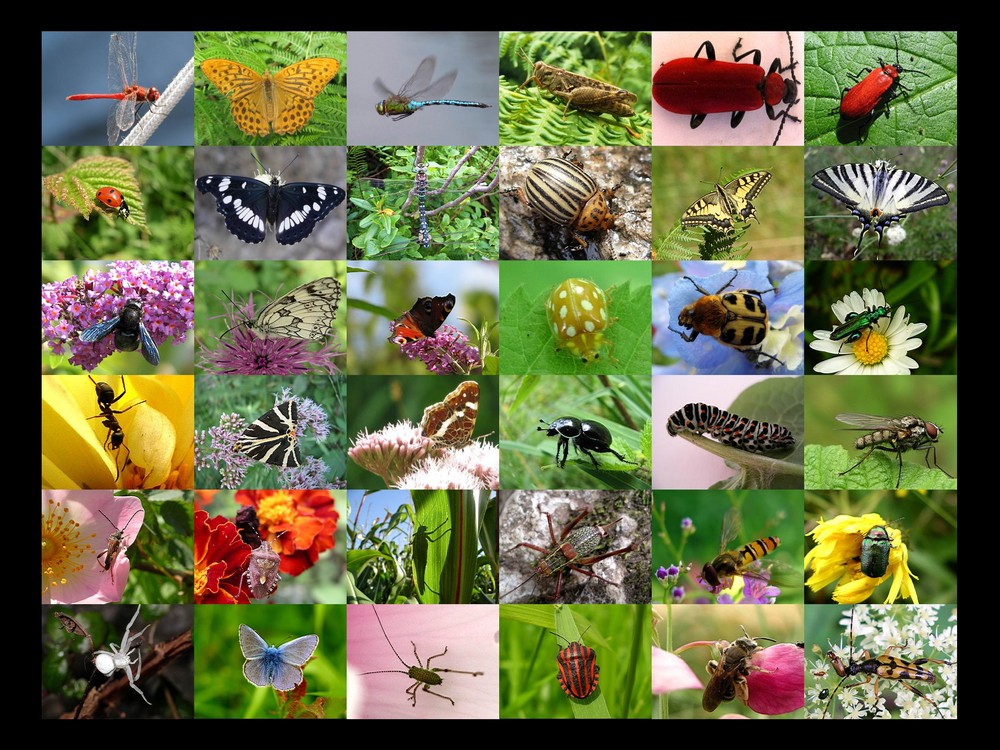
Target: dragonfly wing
<point>420,78</point>
<point>439,88</point>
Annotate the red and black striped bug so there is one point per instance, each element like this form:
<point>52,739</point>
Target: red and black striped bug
<point>578,670</point>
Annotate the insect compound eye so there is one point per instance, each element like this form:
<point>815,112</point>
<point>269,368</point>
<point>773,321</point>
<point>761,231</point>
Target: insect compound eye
<point>932,430</point>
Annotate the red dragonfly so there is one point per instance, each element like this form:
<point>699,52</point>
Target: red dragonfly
<point>122,72</point>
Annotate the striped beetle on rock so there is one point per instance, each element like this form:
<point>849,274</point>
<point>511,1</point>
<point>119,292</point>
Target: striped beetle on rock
<point>559,190</point>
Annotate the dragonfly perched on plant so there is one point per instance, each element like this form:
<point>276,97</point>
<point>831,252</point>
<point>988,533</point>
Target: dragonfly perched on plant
<point>430,209</point>
<point>419,92</point>
<point>122,74</point>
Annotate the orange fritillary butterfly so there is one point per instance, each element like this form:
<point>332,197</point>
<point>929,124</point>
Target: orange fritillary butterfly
<point>282,103</point>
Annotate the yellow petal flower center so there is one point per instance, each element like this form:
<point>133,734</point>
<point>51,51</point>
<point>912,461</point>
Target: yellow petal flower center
<point>871,348</point>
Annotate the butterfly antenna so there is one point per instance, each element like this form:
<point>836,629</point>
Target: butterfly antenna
<point>238,309</point>
<point>289,164</point>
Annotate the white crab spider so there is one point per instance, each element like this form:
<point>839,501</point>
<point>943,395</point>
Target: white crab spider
<point>107,662</point>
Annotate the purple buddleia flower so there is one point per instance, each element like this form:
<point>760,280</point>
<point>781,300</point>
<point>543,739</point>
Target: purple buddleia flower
<point>69,307</point>
<point>447,352</point>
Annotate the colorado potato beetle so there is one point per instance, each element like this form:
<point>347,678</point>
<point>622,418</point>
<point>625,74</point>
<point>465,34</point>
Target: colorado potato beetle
<point>563,193</point>
<point>578,315</point>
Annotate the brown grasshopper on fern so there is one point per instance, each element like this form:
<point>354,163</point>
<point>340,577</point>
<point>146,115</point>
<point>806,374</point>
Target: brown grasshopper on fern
<point>581,92</point>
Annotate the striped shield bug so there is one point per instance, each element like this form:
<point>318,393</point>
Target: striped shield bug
<point>578,670</point>
<point>699,86</point>
<point>874,669</point>
<point>423,676</point>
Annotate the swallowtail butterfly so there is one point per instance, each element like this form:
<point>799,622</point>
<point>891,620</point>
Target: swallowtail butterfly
<point>251,203</point>
<point>728,204</point>
<point>306,312</point>
<point>878,193</point>
<point>272,438</point>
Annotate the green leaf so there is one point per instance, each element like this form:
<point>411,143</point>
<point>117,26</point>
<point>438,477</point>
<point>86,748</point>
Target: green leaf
<point>826,466</point>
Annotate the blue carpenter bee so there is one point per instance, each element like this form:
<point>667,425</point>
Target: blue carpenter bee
<point>130,332</point>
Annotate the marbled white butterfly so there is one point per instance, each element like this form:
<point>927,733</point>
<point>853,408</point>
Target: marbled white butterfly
<point>306,312</point>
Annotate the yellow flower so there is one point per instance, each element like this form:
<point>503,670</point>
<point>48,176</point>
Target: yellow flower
<point>156,420</point>
<point>836,556</point>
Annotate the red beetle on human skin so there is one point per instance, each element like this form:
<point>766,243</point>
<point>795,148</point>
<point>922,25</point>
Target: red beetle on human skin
<point>702,83</point>
<point>113,199</point>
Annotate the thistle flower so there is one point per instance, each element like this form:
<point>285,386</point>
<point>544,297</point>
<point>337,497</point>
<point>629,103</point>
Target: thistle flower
<point>240,351</point>
<point>447,352</point>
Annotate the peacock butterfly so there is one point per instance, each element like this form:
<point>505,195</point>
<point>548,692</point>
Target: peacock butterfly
<point>423,319</point>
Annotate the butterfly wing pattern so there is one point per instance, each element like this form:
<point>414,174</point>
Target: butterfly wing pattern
<point>728,204</point>
<point>277,666</point>
<point>422,320</point>
<point>878,193</point>
<point>282,103</point>
<point>272,438</point>
<point>451,422</point>
<point>306,312</point>
<point>251,203</point>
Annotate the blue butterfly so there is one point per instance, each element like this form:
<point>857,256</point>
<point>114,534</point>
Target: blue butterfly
<point>130,331</point>
<point>279,666</point>
<point>251,203</point>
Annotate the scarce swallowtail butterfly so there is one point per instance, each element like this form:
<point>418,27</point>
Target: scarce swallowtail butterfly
<point>878,193</point>
<point>728,204</point>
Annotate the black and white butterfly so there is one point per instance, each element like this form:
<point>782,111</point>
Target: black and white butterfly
<point>272,438</point>
<point>728,204</point>
<point>130,331</point>
<point>251,203</point>
<point>306,312</point>
<point>878,193</point>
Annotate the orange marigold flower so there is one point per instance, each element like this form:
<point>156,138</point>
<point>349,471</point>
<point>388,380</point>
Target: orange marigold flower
<point>220,557</point>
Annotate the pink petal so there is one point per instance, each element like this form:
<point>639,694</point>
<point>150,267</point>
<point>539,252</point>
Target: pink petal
<point>671,672</point>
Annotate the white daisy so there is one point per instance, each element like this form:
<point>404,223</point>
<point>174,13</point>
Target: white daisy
<point>880,348</point>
